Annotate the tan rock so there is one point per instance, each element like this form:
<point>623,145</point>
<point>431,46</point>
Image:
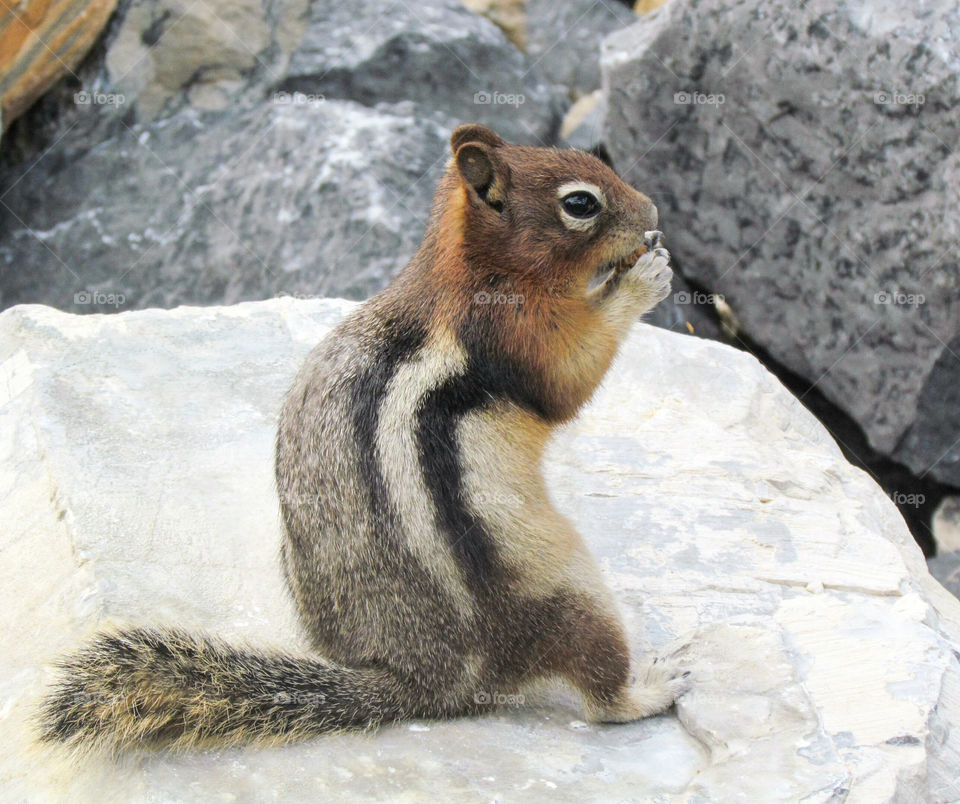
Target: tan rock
<point>946,525</point>
<point>508,15</point>
<point>40,41</point>
<point>582,108</point>
<point>174,45</point>
<point>646,6</point>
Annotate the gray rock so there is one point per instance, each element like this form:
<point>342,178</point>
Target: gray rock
<point>933,441</point>
<point>137,487</point>
<point>164,55</point>
<point>946,569</point>
<point>804,160</point>
<point>433,52</point>
<point>563,38</point>
<point>291,198</point>
<point>217,160</point>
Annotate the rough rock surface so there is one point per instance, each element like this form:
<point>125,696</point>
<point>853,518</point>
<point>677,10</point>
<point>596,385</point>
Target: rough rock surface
<point>806,161</point>
<point>282,198</point>
<point>563,38</point>
<point>137,486</point>
<point>436,53</point>
<point>946,569</point>
<point>40,41</point>
<point>169,54</point>
<point>216,159</point>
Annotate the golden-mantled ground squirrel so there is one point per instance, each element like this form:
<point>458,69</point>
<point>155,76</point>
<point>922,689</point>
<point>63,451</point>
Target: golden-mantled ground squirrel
<point>428,565</point>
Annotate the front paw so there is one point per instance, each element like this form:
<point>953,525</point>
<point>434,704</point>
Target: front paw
<point>651,275</point>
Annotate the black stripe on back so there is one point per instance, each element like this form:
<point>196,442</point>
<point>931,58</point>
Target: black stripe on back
<point>487,379</point>
<point>442,470</point>
<point>369,390</point>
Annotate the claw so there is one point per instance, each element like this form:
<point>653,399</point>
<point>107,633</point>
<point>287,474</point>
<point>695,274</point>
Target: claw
<point>652,238</point>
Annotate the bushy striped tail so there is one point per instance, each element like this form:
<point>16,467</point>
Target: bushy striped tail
<point>164,688</point>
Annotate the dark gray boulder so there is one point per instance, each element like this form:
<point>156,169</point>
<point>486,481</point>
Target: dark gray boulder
<point>322,199</point>
<point>563,38</point>
<point>162,56</point>
<point>803,158</point>
<point>433,52</point>
<point>933,441</point>
<point>224,162</point>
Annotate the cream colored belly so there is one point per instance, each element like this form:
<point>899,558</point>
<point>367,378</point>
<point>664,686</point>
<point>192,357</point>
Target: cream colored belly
<point>500,451</point>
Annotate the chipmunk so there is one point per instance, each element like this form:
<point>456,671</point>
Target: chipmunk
<point>427,563</point>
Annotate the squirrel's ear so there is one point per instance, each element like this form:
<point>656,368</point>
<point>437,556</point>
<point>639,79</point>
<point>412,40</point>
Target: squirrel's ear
<point>484,175</point>
<point>474,132</point>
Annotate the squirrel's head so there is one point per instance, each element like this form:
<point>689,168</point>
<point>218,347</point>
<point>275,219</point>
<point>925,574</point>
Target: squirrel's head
<point>561,217</point>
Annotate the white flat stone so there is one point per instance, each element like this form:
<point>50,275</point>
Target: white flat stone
<point>136,486</point>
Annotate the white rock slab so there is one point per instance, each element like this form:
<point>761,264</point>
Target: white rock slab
<point>136,486</point>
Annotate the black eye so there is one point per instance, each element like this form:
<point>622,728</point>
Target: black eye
<point>581,204</point>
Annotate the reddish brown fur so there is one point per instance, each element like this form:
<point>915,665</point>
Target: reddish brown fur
<point>563,339</point>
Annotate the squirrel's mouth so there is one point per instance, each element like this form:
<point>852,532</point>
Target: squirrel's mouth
<point>616,266</point>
